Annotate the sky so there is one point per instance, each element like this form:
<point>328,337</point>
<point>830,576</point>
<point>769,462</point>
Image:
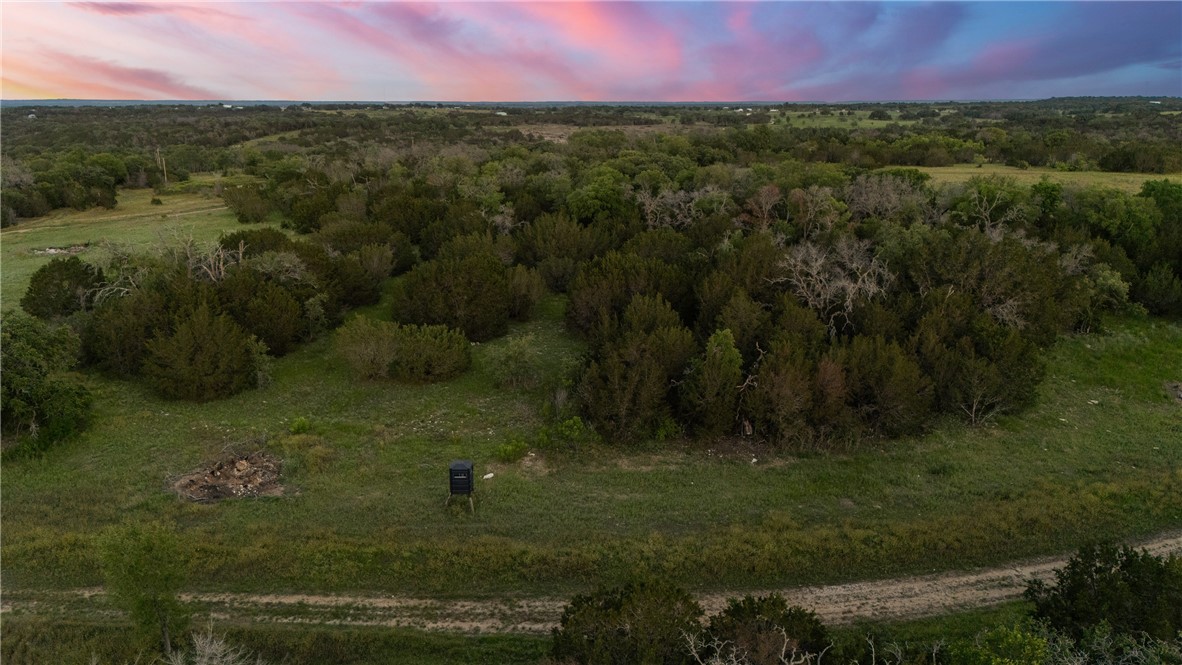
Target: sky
<point>589,51</point>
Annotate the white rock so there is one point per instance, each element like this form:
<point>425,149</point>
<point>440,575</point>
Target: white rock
<point>487,476</point>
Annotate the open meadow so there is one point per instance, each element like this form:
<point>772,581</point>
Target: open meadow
<point>364,467</point>
<point>1125,182</point>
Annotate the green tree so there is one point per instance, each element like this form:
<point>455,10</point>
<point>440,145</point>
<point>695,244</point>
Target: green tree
<point>144,568</point>
<point>641,623</point>
<point>1130,590</point>
<point>764,628</point>
<point>206,356</point>
<point>36,398</point>
<point>711,391</point>
<point>61,287</point>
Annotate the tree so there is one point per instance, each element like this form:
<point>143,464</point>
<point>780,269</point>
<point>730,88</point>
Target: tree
<point>640,623</point>
<point>765,628</point>
<point>1130,590</point>
<point>61,287</point>
<point>465,288</point>
<point>36,398</point>
<point>207,356</point>
<point>144,569</point>
<point>711,391</point>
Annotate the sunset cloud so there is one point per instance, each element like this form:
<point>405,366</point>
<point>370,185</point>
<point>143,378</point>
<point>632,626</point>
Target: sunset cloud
<point>590,50</point>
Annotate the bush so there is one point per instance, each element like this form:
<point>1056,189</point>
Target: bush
<point>430,353</point>
<point>61,287</point>
<point>247,202</point>
<point>636,624</point>
<point>510,452</point>
<point>256,241</point>
<point>263,308</point>
<point>518,364</point>
<point>379,349</point>
<point>765,627</point>
<point>367,346</point>
<point>144,569</point>
<point>35,397</point>
<point>208,356</point>
<point>711,392</point>
<point>1131,591</point>
<point>526,288</point>
<point>114,339</point>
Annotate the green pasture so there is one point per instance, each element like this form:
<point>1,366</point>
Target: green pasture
<point>1127,182</point>
<point>1098,457</point>
<point>134,221</point>
<point>856,120</point>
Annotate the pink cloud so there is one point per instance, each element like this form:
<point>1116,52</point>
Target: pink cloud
<point>138,80</point>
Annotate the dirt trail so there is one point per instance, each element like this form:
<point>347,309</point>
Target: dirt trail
<point>892,599</point>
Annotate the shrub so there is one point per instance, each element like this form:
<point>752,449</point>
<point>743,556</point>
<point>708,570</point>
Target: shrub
<point>889,391</point>
<point>511,452</point>
<point>61,287</point>
<point>379,349</point>
<point>144,569</point>
<point>626,390</point>
<point>518,364</point>
<point>526,288</point>
<point>465,288</point>
<point>765,627</point>
<point>368,346</point>
<point>430,353</point>
<point>114,339</point>
<point>1130,590</point>
<point>35,397</point>
<point>247,202</point>
<point>256,241</point>
<point>207,356</point>
<point>638,623</point>
<point>263,308</point>
<point>1160,291</point>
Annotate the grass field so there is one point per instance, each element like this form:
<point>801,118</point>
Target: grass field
<point>134,221</point>
<point>1093,459</point>
<point>856,120</point>
<point>1128,182</point>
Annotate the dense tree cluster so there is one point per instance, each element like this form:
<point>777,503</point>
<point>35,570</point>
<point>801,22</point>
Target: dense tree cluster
<point>198,321</point>
<point>756,280</point>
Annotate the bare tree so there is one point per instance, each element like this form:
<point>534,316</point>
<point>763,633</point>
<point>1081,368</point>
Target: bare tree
<point>677,208</point>
<point>831,280</point>
<point>723,652</point>
<point>760,212</point>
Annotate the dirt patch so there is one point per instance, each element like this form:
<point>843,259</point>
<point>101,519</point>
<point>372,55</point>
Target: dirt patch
<point>1174,389</point>
<point>61,251</point>
<point>238,475</point>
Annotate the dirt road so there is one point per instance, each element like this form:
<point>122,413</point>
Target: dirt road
<point>892,599</point>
